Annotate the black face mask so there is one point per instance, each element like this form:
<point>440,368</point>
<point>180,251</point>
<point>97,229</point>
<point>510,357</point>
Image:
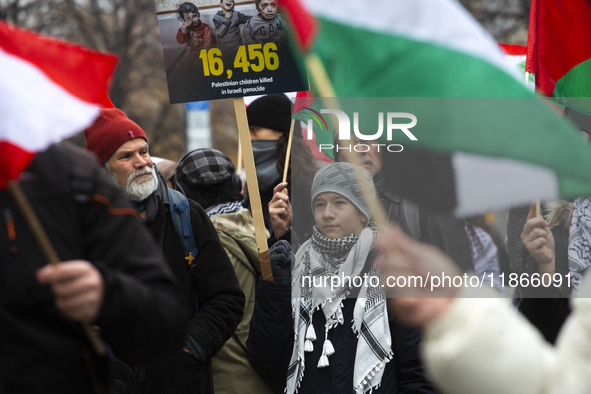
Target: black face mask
<point>265,158</point>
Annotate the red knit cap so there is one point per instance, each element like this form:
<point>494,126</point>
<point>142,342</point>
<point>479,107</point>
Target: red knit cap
<point>109,131</point>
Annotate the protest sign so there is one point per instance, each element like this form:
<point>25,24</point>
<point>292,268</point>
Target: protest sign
<point>214,50</point>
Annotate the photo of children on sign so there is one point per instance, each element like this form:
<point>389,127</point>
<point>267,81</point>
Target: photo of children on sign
<point>221,50</point>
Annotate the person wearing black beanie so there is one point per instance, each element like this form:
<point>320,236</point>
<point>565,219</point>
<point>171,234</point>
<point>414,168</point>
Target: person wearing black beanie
<point>272,111</point>
<point>269,119</point>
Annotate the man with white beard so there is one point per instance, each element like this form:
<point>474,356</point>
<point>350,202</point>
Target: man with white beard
<point>138,190</point>
<point>208,282</point>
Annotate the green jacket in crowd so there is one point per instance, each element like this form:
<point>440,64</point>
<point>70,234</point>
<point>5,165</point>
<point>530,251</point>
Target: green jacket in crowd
<point>232,372</point>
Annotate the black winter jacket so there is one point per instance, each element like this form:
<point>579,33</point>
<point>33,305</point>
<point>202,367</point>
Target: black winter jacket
<point>142,311</point>
<point>270,346</point>
<point>220,299</point>
<point>438,229</point>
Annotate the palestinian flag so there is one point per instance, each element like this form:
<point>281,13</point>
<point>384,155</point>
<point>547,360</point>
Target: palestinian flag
<point>51,90</point>
<point>559,51</point>
<point>420,48</point>
<point>515,55</point>
<point>483,141</point>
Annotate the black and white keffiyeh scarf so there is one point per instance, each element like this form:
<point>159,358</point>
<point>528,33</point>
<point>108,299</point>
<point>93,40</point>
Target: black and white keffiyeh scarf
<point>579,241</point>
<point>227,207</point>
<point>322,257</point>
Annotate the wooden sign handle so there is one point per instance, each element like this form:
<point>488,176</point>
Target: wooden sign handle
<point>253,187</point>
<point>239,160</point>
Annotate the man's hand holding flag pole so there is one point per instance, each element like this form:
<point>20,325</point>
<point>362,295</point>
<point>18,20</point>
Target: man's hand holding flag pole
<point>70,84</point>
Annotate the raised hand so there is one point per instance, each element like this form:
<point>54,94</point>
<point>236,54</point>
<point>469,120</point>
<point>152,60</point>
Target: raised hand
<point>186,23</point>
<point>539,241</point>
<point>280,210</point>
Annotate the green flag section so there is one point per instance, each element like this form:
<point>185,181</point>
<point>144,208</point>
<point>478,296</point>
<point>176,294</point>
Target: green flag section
<point>464,155</point>
<point>465,134</point>
<point>559,50</point>
<point>419,48</point>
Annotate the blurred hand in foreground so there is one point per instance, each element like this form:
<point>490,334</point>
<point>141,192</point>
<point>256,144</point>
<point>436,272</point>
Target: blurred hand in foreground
<point>78,287</point>
<point>413,273</point>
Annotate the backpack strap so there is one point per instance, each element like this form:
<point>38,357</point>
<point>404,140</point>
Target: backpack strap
<point>181,216</point>
<point>410,212</point>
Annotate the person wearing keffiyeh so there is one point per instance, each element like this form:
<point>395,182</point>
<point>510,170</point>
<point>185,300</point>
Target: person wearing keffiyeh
<point>558,246</point>
<point>341,338</point>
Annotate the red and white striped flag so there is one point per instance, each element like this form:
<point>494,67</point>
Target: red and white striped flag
<point>49,90</point>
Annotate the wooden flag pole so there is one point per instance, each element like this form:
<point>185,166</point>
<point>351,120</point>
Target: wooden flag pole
<point>253,188</point>
<point>239,160</point>
<point>48,250</point>
<point>319,75</point>
<point>288,153</point>
<point>538,209</point>
<point>537,200</point>
<point>325,89</point>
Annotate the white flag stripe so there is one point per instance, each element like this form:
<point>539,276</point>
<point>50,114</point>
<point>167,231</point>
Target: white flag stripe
<point>516,181</point>
<point>515,60</point>
<point>34,110</point>
<point>440,22</point>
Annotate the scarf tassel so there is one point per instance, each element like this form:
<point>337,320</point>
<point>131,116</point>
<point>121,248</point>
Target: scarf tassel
<point>310,333</point>
<point>308,346</point>
<point>328,349</point>
<point>323,362</point>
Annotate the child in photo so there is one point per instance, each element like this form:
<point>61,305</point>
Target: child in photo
<point>227,27</point>
<point>265,27</point>
<point>192,32</point>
